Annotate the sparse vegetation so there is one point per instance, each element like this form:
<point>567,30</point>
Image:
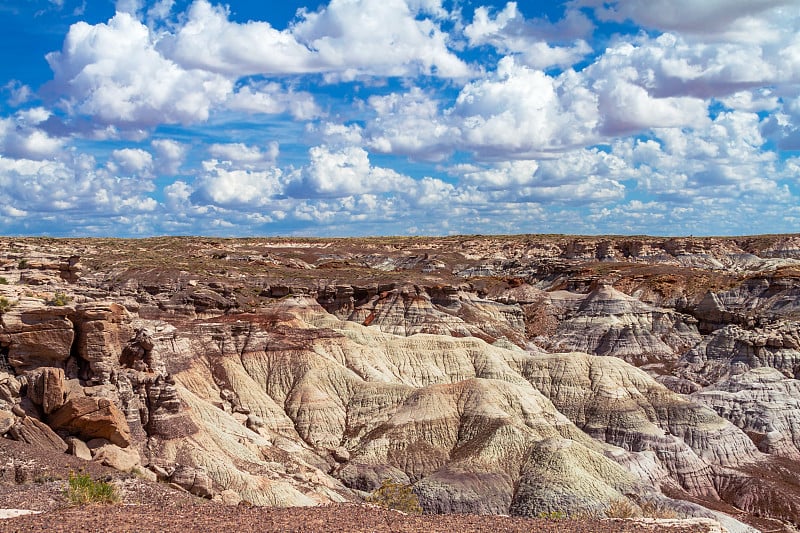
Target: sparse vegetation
<point>397,496</point>
<point>82,489</point>
<point>656,510</point>
<point>3,280</point>
<point>60,299</point>
<point>552,515</point>
<point>622,508</point>
<point>5,304</point>
<point>23,264</point>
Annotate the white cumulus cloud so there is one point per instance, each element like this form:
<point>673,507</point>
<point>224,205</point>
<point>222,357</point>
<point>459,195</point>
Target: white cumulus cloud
<point>114,73</point>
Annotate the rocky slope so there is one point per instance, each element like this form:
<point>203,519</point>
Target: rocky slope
<point>506,375</point>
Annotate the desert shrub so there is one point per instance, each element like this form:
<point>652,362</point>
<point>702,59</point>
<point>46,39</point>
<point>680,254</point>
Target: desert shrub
<point>5,304</point>
<point>3,280</point>
<point>656,510</point>
<point>60,299</point>
<point>622,508</point>
<point>397,496</point>
<point>552,515</point>
<point>82,489</point>
<point>23,263</point>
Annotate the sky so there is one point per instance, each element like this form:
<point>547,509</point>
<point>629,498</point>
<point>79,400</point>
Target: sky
<point>399,117</point>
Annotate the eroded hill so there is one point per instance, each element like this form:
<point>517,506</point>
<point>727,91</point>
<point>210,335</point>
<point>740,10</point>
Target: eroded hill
<point>519,375</point>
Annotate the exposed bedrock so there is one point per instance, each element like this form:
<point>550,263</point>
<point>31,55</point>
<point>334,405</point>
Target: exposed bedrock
<point>764,403</point>
<point>609,322</point>
<point>624,406</point>
<point>732,350</point>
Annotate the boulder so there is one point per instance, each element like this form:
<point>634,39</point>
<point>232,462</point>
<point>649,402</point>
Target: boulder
<point>230,497</point>
<point>78,448</point>
<point>7,420</point>
<point>9,388</point>
<point>124,459</point>
<point>340,454</point>
<point>195,481</point>
<point>91,418</point>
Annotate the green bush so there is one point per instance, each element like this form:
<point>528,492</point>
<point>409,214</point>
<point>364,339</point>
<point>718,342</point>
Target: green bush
<point>60,299</point>
<point>82,489</point>
<point>5,304</point>
<point>552,515</point>
<point>23,264</point>
<point>3,280</point>
<point>397,496</point>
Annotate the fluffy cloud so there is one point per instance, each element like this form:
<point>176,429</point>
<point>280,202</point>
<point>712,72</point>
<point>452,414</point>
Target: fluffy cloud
<point>131,161</point>
<point>411,124</point>
<point>383,37</point>
<point>522,112</point>
<point>518,113</point>
<point>72,185</point>
<point>724,160</point>
<point>114,73</point>
<point>345,38</point>
<point>710,16</point>
<point>531,40</point>
<point>18,93</point>
<point>668,66</point>
<point>343,173</point>
<point>170,155</point>
<point>339,134</point>
<point>22,137</point>
<point>575,178</point>
<point>221,185</point>
<point>270,98</point>
<point>238,155</point>
<point>209,41</point>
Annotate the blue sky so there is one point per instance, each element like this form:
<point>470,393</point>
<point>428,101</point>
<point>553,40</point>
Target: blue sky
<point>395,117</point>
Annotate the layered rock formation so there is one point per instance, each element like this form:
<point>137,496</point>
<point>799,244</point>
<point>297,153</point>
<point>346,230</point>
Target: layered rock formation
<point>495,375</point>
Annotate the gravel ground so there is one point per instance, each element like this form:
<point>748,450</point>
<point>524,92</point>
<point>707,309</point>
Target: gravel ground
<point>328,519</point>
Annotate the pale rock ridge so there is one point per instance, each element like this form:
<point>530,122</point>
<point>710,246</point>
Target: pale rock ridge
<point>732,349</point>
<point>305,371</point>
<point>609,322</point>
<point>438,310</point>
<point>624,406</point>
<point>753,302</point>
<point>764,403</point>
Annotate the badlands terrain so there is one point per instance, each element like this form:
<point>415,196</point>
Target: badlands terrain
<point>531,376</point>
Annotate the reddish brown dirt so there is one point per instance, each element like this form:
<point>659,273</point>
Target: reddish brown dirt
<point>329,519</point>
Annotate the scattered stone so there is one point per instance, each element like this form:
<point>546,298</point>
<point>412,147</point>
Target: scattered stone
<point>122,459</point>
<point>230,497</point>
<point>78,448</point>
